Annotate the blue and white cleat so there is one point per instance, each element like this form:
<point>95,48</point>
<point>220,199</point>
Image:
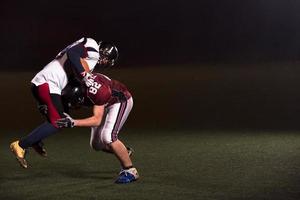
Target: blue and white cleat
<point>127,176</point>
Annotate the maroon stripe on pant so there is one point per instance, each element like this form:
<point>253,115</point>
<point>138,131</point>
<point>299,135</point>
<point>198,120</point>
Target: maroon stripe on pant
<point>44,95</point>
<point>114,134</point>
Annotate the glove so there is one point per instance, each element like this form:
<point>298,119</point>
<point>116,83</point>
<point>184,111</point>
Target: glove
<point>43,108</point>
<point>88,79</point>
<point>66,122</point>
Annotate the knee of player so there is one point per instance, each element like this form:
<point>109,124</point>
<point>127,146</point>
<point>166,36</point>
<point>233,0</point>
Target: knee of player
<point>107,140</point>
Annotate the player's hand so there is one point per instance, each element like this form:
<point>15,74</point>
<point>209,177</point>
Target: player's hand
<point>88,79</point>
<point>66,122</point>
<point>43,108</point>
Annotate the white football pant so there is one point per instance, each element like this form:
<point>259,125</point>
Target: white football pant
<point>112,122</point>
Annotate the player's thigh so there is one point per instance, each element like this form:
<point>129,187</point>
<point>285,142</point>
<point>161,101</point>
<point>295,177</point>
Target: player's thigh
<point>53,102</point>
<point>95,140</point>
<point>113,120</point>
<point>116,116</point>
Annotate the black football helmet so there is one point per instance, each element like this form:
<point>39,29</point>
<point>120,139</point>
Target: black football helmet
<point>73,96</point>
<point>108,54</point>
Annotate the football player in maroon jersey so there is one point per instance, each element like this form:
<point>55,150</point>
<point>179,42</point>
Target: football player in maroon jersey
<point>112,103</point>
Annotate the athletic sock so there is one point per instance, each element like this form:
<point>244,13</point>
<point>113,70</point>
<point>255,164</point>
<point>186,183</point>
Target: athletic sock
<point>126,168</point>
<point>43,131</point>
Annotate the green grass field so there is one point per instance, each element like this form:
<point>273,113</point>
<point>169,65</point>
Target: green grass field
<point>202,165</point>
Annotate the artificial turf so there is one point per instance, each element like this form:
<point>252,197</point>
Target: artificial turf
<point>172,164</point>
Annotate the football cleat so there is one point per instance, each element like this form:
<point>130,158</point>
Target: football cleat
<point>130,151</point>
<point>127,176</point>
<point>19,152</point>
<point>39,148</point>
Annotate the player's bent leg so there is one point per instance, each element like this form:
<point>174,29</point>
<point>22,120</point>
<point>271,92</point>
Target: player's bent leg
<point>128,173</point>
<point>38,134</point>
<point>107,149</point>
<point>98,142</point>
<point>19,152</point>
<point>95,142</point>
<point>106,135</point>
<point>54,112</point>
<point>121,153</point>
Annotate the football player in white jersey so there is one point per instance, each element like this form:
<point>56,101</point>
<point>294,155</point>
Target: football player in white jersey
<point>76,61</point>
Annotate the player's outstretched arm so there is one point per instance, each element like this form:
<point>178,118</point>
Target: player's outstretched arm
<point>95,120</point>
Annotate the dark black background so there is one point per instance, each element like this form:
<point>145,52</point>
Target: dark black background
<point>153,32</point>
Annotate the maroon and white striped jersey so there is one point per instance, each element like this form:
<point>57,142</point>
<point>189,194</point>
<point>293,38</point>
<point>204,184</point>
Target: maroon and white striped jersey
<point>106,91</point>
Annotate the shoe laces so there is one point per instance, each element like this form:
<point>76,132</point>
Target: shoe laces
<point>125,171</point>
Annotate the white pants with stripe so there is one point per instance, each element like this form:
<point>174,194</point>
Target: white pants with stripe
<point>112,122</point>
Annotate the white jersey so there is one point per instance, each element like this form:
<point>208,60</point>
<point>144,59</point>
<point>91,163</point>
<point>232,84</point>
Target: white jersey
<point>54,74</point>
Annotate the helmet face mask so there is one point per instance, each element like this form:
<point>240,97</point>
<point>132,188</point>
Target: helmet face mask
<point>108,54</point>
<point>73,96</point>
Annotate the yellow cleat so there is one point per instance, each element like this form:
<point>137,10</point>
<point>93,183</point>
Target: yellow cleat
<point>19,153</point>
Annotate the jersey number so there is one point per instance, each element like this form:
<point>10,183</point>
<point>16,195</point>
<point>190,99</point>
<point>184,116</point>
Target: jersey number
<point>94,88</point>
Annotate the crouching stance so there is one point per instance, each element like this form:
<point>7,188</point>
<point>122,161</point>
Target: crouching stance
<point>112,103</point>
